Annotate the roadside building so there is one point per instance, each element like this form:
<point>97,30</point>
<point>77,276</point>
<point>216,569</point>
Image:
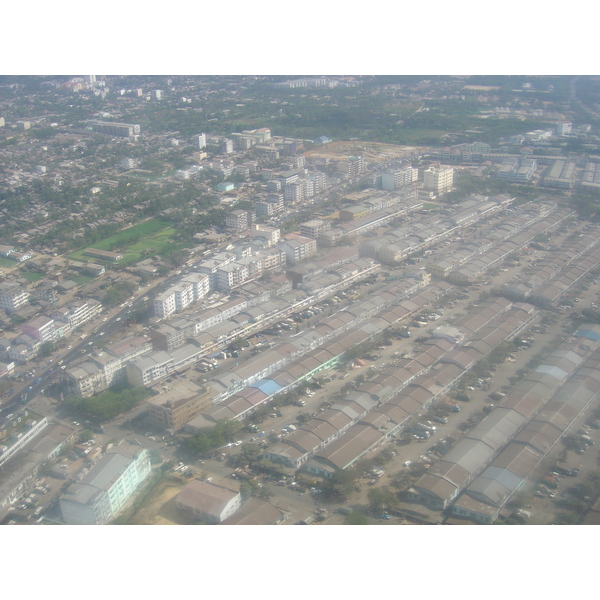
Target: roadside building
<point>173,408</point>
<point>98,497</point>
<point>208,502</point>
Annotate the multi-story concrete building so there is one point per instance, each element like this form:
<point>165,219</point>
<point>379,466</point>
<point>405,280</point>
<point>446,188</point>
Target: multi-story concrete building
<point>272,205</point>
<point>188,290</point>
<point>392,180</point>
<point>175,407</point>
<point>151,367</point>
<point>560,174</point>
<point>41,328</point>
<point>297,248</point>
<point>295,192</point>
<point>105,368</point>
<point>238,219</point>
<point>211,265</point>
<point>517,170</point>
<point>270,234</point>
<point>98,497</point>
<point>438,179</point>
<point>200,141</point>
<point>314,227</point>
<point>232,275</point>
<point>12,295</point>
<point>115,129</point>
<point>78,312</point>
<point>563,128</point>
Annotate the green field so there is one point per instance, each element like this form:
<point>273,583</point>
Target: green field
<point>6,262</point>
<point>409,136</point>
<point>154,235</point>
<point>31,275</point>
<point>82,279</point>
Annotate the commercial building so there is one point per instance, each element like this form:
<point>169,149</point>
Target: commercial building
<point>516,170</point>
<point>115,129</point>
<point>560,174</point>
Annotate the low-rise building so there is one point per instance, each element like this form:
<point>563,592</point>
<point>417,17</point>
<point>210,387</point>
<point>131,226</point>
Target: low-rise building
<point>208,502</point>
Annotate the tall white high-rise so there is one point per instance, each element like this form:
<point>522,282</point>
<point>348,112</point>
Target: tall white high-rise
<point>200,141</point>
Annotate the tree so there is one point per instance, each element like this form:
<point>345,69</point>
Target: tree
<point>339,487</point>
<point>85,436</point>
<point>46,349</point>
<point>380,499</point>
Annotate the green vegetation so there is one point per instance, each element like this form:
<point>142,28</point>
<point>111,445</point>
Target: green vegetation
<point>356,518</point>
<point>46,349</point>
<point>153,236</point>
<point>6,262</point>
<point>82,279</point>
<point>340,486</point>
<point>211,438</point>
<point>380,499</point>
<point>107,405</point>
<point>31,275</point>
<point>118,293</point>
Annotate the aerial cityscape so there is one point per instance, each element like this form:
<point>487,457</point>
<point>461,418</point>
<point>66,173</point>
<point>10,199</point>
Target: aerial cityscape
<point>299,300</point>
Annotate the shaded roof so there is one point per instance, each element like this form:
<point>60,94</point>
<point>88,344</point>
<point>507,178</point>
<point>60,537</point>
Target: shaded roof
<point>206,497</point>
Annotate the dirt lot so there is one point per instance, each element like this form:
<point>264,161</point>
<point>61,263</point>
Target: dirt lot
<point>375,152</point>
<point>160,508</point>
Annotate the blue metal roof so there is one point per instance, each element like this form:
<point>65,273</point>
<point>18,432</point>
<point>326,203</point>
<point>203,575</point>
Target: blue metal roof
<point>588,333</point>
<point>267,386</point>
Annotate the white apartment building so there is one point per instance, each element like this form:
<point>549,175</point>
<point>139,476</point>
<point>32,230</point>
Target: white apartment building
<point>189,289</point>
<point>271,234</point>
<point>294,192</point>
<point>41,328</point>
<point>438,180</point>
<point>98,497</point>
<point>232,275</point>
<point>12,295</point>
<point>146,369</point>
<point>297,248</point>
<point>392,180</point>
<point>200,141</point>
<point>77,313</point>
<point>237,219</point>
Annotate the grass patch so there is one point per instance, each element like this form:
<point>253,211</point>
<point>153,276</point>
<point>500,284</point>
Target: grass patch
<point>32,275</point>
<point>154,235</point>
<point>408,136</point>
<point>6,262</point>
<point>83,279</point>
